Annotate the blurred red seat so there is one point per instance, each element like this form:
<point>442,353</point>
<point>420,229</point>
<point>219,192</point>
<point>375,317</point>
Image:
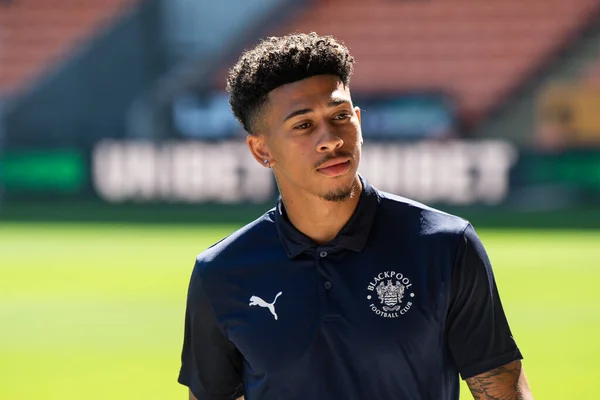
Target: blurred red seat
<point>36,33</point>
<point>477,50</point>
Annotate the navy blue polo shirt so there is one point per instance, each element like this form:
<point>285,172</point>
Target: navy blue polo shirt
<point>400,303</point>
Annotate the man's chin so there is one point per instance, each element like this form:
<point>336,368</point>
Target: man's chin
<point>337,196</point>
<point>340,194</point>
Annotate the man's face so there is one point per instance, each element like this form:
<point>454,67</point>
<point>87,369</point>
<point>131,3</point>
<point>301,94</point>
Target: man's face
<point>310,134</point>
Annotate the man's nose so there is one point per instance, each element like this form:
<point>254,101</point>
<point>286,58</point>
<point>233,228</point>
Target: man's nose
<point>328,141</point>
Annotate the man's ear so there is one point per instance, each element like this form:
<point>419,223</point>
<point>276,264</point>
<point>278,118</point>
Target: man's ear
<point>259,150</point>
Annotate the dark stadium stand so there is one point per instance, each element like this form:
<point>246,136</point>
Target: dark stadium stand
<point>36,33</point>
<point>476,51</point>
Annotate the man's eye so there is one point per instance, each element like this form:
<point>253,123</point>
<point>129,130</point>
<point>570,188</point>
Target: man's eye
<point>305,125</point>
<point>343,116</point>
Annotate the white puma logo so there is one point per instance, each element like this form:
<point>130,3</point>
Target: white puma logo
<point>257,301</point>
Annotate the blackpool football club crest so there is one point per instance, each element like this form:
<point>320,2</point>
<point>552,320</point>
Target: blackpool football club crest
<point>390,294</point>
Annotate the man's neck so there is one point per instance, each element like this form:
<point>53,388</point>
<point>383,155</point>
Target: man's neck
<point>319,219</point>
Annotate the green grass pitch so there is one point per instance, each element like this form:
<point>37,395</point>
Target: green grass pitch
<point>93,311</point>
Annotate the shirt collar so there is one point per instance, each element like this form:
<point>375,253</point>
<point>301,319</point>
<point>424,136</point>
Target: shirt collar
<point>353,236</point>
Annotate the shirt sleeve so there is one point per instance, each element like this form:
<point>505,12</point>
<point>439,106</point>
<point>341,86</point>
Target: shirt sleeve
<point>478,334</point>
<point>211,366</point>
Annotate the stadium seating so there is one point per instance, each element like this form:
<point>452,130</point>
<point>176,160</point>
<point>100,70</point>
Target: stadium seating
<point>477,51</point>
<point>36,34</point>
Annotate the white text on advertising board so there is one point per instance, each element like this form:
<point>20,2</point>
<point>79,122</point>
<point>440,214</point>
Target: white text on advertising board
<point>456,172</point>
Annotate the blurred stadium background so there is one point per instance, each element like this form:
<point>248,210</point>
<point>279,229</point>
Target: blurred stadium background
<point>120,161</point>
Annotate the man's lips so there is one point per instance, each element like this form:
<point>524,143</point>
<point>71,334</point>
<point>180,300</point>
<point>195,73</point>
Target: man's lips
<point>334,161</point>
<point>335,167</point>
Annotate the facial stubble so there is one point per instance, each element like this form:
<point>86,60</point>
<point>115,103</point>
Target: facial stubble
<point>340,194</point>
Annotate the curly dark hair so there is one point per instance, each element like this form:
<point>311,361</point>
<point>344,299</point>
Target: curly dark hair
<point>277,61</point>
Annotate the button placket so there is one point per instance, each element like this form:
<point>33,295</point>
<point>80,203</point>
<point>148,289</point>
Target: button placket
<point>324,266</point>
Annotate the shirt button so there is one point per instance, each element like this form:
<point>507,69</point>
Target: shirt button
<point>323,253</point>
<point>327,285</point>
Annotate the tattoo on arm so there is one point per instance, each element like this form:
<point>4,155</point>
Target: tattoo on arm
<point>505,383</point>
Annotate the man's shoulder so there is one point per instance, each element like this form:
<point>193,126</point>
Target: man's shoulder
<point>430,220</point>
<point>258,235</point>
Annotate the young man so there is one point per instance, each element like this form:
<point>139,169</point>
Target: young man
<point>341,292</point>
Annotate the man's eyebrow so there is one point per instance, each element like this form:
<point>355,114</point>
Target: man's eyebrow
<point>338,101</point>
<point>335,102</point>
<point>298,112</point>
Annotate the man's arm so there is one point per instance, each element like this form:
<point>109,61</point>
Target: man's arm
<point>505,383</point>
<point>211,365</point>
<point>192,397</point>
